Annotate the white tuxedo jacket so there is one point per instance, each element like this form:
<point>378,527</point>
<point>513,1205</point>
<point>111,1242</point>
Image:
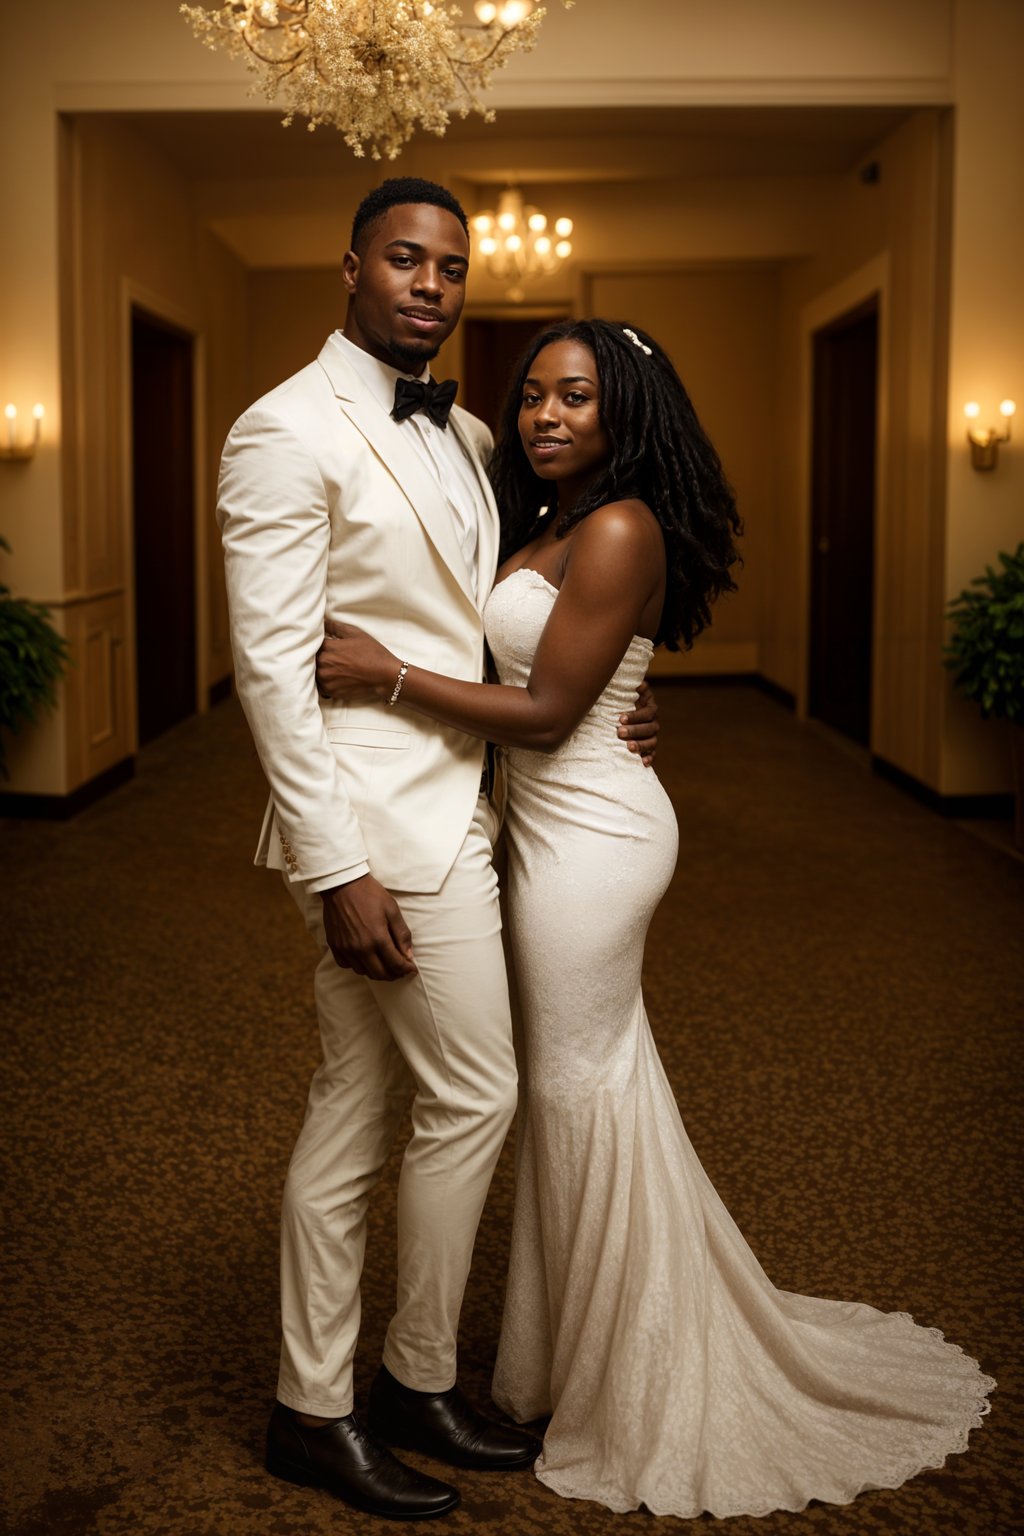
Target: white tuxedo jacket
<point>326,509</point>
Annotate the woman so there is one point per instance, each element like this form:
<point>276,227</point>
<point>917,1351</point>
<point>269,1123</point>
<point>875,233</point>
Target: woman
<point>676,1376</point>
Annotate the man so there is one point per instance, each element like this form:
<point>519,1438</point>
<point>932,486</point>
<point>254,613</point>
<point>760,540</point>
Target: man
<point>355,491</point>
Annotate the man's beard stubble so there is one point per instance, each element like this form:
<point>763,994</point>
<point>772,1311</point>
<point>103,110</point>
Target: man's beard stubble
<point>410,359</point>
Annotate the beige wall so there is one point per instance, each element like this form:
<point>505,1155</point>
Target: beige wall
<point>944,231</point>
<point>143,224</point>
<point>283,223</point>
<point>984,512</point>
<point>30,494</point>
<point>889,238</point>
<point>109,55</point>
<point>129,236</point>
<point>291,313</point>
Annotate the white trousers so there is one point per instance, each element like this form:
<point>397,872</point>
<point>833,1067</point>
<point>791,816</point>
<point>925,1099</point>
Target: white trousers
<point>444,1038</point>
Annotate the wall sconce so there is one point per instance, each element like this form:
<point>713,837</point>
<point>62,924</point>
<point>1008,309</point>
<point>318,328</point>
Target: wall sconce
<point>12,450</point>
<point>985,441</point>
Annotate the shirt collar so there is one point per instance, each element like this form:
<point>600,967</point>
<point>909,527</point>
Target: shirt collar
<point>378,377</point>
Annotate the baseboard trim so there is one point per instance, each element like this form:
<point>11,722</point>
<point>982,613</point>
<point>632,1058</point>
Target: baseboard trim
<point>725,680</point>
<point>993,807</point>
<point>63,807</point>
<point>219,691</point>
<point>775,691</point>
<point>703,679</point>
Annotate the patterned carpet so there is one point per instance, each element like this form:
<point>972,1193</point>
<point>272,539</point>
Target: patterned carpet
<point>835,979</point>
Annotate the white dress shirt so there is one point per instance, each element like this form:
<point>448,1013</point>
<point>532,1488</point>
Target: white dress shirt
<point>438,447</point>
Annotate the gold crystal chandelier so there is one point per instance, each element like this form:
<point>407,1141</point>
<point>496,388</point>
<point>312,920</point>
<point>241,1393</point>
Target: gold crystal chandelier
<point>517,243</point>
<point>374,69</point>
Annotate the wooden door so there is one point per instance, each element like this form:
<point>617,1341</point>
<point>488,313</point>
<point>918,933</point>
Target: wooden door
<point>491,350</point>
<point>843,521</point>
<point>162,490</point>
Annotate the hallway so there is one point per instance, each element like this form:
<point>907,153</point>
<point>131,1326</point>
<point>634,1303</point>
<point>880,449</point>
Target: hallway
<point>836,981</point>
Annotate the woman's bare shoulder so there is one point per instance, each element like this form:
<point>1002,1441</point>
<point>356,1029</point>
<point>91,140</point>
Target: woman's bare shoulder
<point>626,529</point>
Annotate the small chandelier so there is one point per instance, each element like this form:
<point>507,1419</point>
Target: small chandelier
<point>374,69</point>
<point>517,243</point>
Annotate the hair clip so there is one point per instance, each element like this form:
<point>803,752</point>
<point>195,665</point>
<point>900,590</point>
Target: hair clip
<point>635,339</point>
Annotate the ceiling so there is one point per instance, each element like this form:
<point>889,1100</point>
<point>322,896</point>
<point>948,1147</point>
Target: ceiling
<point>543,145</point>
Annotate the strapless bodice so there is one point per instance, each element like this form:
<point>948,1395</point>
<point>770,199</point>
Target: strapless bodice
<point>514,618</point>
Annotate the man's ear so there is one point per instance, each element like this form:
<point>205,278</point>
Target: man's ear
<point>350,271</point>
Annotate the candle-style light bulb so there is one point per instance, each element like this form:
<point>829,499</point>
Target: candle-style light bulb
<point>972,409</point>
<point>514,11</point>
<point>1008,408</point>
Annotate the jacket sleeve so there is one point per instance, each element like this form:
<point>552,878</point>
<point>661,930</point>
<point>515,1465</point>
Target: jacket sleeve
<point>275,524</point>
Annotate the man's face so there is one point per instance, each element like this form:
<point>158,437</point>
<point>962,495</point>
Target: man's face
<point>407,285</point>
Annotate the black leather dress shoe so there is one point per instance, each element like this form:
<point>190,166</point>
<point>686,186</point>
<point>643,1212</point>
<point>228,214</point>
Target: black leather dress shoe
<point>346,1460</point>
<point>447,1426</point>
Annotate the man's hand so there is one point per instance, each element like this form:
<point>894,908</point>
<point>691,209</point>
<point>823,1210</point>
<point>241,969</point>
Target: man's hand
<point>639,730</point>
<point>366,931</point>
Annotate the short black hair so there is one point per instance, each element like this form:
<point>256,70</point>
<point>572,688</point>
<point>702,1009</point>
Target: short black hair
<point>658,453</point>
<point>402,189</point>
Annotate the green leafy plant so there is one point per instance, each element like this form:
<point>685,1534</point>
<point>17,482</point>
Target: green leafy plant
<point>33,659</point>
<point>986,648</point>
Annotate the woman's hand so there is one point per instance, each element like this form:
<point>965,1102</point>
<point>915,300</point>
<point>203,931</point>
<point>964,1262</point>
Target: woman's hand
<point>351,664</point>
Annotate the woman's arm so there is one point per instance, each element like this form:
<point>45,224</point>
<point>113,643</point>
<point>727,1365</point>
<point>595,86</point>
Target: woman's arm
<point>615,566</point>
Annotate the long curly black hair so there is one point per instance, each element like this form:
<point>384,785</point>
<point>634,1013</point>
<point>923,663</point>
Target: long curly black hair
<point>660,454</point>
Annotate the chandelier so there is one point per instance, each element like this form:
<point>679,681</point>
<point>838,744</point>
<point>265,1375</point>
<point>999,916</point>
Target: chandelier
<point>517,243</point>
<point>374,69</point>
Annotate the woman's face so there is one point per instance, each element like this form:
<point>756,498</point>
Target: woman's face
<point>559,420</point>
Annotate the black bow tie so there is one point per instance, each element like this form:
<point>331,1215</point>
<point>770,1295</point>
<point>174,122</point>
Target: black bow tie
<point>418,395</point>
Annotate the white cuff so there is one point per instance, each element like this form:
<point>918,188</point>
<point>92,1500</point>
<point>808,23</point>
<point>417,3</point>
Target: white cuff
<point>345,877</point>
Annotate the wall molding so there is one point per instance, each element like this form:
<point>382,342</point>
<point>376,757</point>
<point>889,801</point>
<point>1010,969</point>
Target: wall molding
<point>755,680</point>
<point>63,807</point>
<point>567,91</point>
<point>958,807</point>
<point>80,599</point>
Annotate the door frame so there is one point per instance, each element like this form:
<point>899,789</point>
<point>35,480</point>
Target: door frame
<point>541,313</point>
<point>870,281</point>
<point>134,295</point>
<point>485,310</point>
<point>821,517</point>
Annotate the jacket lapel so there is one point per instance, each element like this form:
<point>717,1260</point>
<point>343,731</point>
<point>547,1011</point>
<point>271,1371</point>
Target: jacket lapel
<point>489,532</point>
<point>400,459</point>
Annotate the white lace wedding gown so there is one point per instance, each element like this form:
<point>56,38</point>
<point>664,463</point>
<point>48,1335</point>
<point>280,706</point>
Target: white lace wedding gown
<point>676,1375</point>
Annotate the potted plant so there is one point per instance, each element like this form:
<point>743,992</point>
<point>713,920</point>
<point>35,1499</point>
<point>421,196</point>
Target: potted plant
<point>986,654</point>
<point>33,659</point>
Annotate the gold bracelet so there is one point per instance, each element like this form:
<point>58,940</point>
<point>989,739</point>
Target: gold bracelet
<point>402,670</point>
